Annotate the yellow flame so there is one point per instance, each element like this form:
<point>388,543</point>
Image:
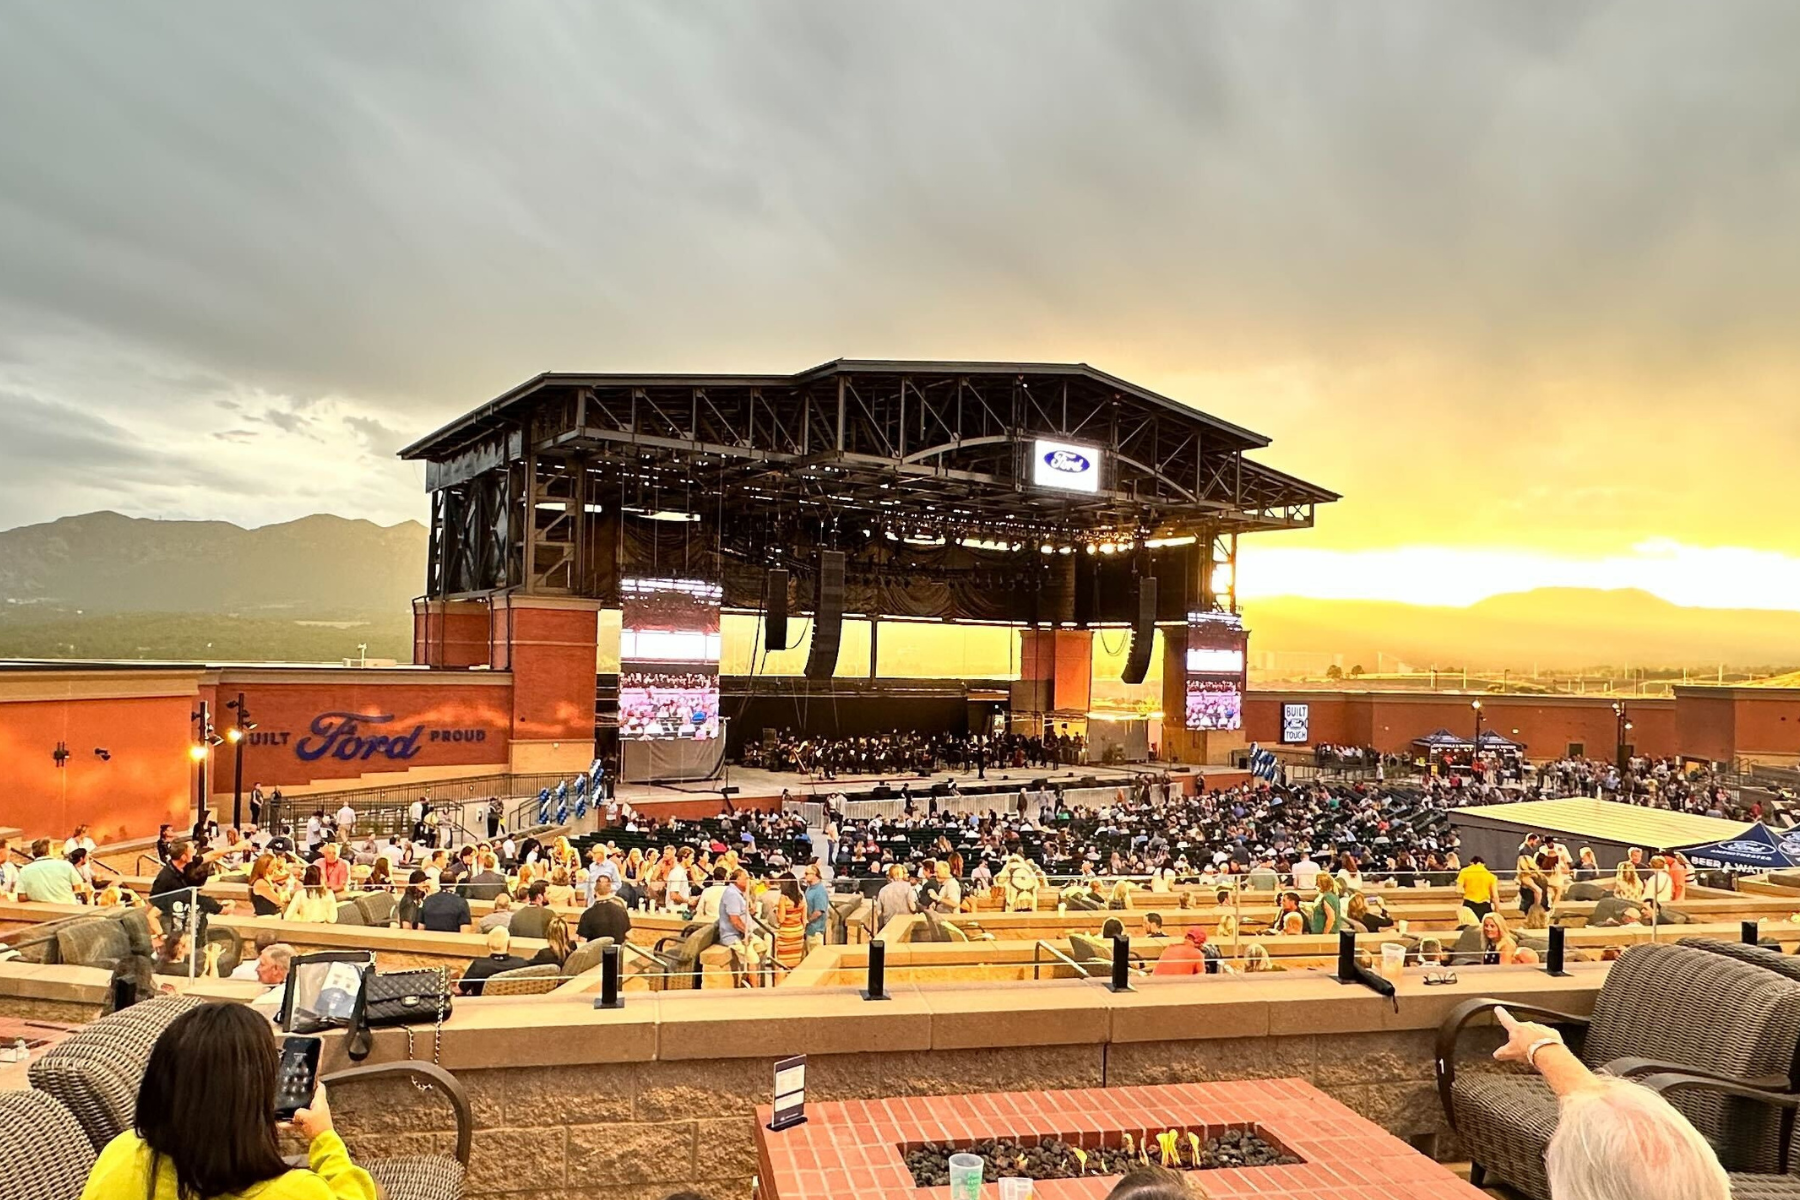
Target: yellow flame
<point>1167,1142</point>
<point>1194,1144</point>
<point>1080,1159</point>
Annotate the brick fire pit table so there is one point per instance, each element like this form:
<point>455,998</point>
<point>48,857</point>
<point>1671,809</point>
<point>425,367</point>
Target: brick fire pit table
<point>856,1148</point>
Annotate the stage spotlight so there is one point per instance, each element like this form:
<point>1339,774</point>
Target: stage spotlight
<point>197,752</point>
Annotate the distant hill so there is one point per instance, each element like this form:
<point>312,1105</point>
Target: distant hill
<point>1547,628</point>
<point>104,585</point>
<point>104,562</point>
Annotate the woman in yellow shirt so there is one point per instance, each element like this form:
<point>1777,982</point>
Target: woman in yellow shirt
<point>206,1123</point>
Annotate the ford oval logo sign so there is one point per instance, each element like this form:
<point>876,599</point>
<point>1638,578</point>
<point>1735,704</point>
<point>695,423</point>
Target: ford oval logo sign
<point>1747,849</point>
<point>1065,466</point>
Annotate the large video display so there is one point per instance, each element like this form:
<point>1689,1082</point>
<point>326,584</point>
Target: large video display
<point>1216,644</point>
<point>669,659</point>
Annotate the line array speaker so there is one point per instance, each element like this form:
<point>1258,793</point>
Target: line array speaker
<point>775,604</point>
<point>828,616</point>
<point>1143,632</point>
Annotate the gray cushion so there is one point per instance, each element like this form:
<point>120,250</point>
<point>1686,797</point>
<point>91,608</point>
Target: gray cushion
<point>585,957</point>
<point>96,942</point>
<point>349,913</point>
<point>96,1072</point>
<point>136,924</point>
<point>377,907</point>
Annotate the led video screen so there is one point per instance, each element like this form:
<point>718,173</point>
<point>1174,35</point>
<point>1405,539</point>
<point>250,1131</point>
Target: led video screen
<point>1214,704</point>
<point>669,660</point>
<point>1216,644</point>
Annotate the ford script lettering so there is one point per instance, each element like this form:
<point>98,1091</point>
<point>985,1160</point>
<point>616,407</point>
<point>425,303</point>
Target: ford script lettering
<point>1748,849</point>
<point>341,735</point>
<point>1067,461</point>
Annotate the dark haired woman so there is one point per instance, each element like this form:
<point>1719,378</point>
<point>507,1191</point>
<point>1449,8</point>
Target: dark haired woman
<point>206,1123</point>
<point>407,911</point>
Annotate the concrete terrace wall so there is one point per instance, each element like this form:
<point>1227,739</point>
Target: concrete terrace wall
<point>635,1103</point>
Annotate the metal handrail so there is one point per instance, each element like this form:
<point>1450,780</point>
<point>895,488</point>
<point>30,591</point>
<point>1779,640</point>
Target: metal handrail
<point>1057,954</point>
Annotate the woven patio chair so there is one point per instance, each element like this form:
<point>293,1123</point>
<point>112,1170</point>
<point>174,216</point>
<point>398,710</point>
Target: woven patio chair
<point>377,907</point>
<point>95,1073</point>
<point>1745,1185</point>
<point>1756,956</point>
<point>44,1152</point>
<point>679,968</point>
<point>523,981</point>
<point>418,1176</point>
<point>586,957</point>
<point>1662,1008</point>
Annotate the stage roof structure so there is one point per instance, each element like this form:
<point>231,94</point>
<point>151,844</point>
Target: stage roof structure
<point>958,476</point>
<point>1575,817</point>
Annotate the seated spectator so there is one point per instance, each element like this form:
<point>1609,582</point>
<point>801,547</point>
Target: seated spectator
<point>606,917</point>
<point>558,945</point>
<point>206,1123</point>
<point>499,958</point>
<point>334,872</point>
<point>1186,957</point>
<point>444,912</point>
<point>895,899</point>
<point>313,902</point>
<point>412,900</point>
<point>1153,925</point>
<point>561,892</point>
<point>381,875</point>
<point>707,907</point>
<point>531,920</point>
<point>1614,1139</point>
<point>487,883</point>
<point>269,967</point>
<point>500,918</point>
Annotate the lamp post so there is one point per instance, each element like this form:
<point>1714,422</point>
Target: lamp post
<point>1476,705</point>
<point>237,735</point>
<point>199,752</point>
<point>1622,717</point>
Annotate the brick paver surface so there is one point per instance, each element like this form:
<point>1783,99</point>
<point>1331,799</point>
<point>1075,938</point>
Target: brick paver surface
<point>854,1148</point>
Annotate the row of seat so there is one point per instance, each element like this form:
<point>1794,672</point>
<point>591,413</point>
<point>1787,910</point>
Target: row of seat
<point>84,1093</point>
<point>1714,1026</point>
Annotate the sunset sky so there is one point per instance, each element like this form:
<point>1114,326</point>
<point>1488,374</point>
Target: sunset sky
<point>1521,280</point>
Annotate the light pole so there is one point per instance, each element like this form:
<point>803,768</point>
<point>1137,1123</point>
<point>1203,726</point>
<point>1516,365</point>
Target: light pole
<point>236,735</point>
<point>1476,705</point>
<point>1622,715</point>
<point>199,752</point>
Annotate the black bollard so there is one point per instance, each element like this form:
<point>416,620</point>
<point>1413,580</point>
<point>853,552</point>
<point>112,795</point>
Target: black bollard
<point>1553,961</point>
<point>877,989</point>
<point>1347,956</point>
<point>609,978</point>
<point>1121,965</point>
<point>1750,934</point>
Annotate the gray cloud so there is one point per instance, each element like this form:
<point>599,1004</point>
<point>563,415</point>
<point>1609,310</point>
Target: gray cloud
<point>1529,219</point>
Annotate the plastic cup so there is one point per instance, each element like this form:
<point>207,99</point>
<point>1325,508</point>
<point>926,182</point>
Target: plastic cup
<point>1015,1187</point>
<point>965,1177</point>
<point>1393,959</point>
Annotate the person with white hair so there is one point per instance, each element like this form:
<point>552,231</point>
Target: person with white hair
<point>1615,1139</point>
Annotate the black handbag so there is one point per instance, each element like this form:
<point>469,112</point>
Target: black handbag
<point>405,998</point>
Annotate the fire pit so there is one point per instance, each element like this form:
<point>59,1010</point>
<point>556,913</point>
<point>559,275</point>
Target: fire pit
<point>1255,1138</point>
<point>1053,1158</point>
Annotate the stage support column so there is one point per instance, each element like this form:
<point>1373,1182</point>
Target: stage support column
<point>1198,747</point>
<point>549,644</point>
<point>450,633</point>
<point>1056,677</point>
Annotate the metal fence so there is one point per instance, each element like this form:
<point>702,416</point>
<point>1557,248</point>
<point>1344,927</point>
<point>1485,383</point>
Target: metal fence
<point>387,809</point>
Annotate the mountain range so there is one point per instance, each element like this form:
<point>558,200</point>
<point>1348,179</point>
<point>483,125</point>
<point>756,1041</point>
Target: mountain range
<point>104,585</point>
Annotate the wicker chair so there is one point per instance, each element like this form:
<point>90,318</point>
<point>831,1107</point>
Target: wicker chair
<point>523,981</point>
<point>1756,956</point>
<point>95,1073</point>
<point>44,1152</point>
<point>679,968</point>
<point>1745,1185</point>
<point>419,1176</point>
<point>586,957</point>
<point>377,907</point>
<point>1663,1008</point>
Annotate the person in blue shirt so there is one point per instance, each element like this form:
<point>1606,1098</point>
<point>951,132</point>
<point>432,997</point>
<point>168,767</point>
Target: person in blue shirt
<point>818,906</point>
<point>734,928</point>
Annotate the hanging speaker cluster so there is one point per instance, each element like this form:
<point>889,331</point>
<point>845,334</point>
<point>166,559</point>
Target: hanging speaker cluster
<point>1143,632</point>
<point>775,610</point>
<point>828,616</point>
